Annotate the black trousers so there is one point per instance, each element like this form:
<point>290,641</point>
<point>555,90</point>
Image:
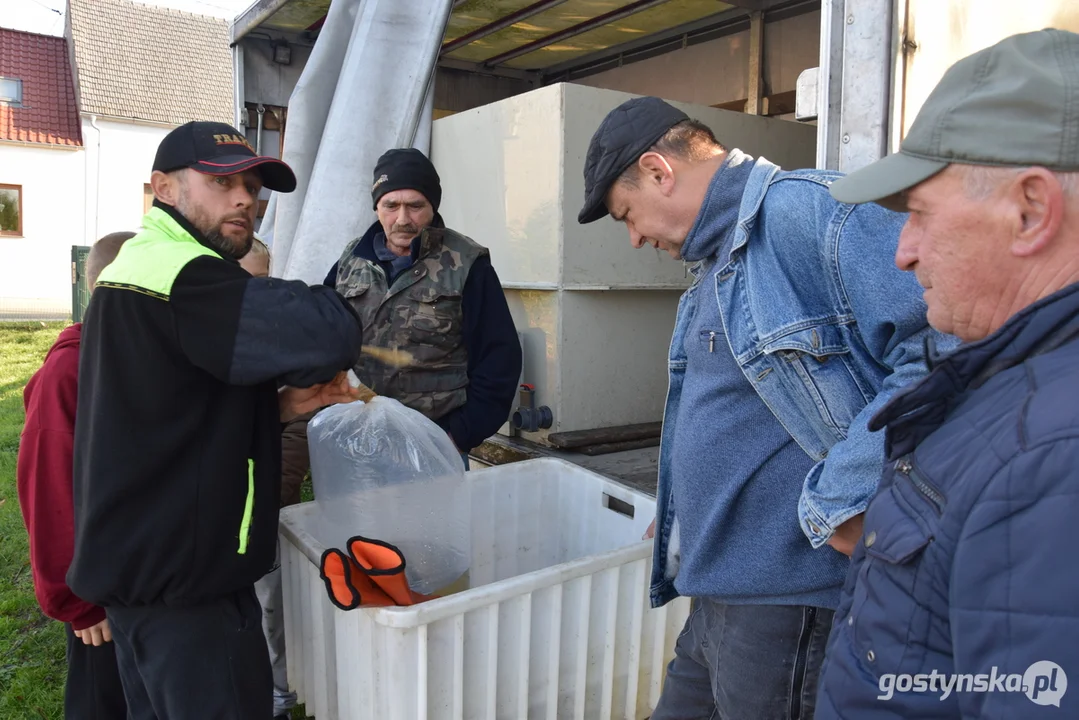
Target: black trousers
<point>206,662</point>
<point>93,690</point>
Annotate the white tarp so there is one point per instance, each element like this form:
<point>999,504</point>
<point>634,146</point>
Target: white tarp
<point>367,87</point>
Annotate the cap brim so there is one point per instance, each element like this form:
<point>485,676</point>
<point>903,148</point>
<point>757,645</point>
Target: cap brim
<point>275,174</point>
<point>595,206</point>
<point>884,181</point>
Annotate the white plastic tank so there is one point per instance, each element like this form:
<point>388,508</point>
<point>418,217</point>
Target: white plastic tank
<point>385,472</point>
<point>596,315</point>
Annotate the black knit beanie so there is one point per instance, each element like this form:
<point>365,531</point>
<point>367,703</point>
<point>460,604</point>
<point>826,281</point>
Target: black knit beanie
<point>406,169</point>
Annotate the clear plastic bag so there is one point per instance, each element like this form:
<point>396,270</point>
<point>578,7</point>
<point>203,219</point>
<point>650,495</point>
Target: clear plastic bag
<point>386,472</point>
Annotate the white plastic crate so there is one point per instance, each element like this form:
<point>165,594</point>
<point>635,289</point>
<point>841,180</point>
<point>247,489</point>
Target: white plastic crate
<point>556,624</point>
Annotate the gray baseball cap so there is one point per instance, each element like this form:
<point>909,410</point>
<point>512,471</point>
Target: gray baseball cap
<point>1014,104</point>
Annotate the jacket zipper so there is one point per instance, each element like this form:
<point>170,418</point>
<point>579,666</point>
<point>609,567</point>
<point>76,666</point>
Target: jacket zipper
<point>801,660</point>
<point>906,467</point>
<point>666,405</point>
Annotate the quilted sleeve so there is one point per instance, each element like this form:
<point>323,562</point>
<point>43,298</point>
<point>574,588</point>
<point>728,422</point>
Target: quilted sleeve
<point>1015,588</point>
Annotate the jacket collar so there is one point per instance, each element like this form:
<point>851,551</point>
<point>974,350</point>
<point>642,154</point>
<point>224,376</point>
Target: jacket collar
<point>917,411</point>
<point>190,229</point>
<point>718,216</point>
<point>428,241</point>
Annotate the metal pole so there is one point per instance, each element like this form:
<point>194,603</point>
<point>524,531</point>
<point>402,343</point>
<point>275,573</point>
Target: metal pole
<point>829,83</point>
<point>238,87</point>
<point>258,137</point>
<point>868,60</point>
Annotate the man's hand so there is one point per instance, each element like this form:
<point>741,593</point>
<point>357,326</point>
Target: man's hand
<point>846,536</point>
<point>650,532</point>
<point>294,402</point>
<point>95,634</point>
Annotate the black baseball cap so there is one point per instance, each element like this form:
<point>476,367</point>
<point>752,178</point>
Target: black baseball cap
<point>215,148</point>
<point>624,135</point>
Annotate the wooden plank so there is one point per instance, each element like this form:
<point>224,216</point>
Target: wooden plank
<point>638,468</point>
<point>738,105</point>
<point>780,103</point>
<point>777,104</point>
<point>608,448</point>
<point>601,436</point>
<point>756,64</point>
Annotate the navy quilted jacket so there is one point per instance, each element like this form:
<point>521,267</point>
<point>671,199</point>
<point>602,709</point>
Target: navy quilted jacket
<point>962,600</point>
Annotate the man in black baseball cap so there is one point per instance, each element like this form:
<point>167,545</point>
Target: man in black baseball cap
<point>219,149</point>
<point>189,365</point>
<point>209,174</point>
<point>782,347</point>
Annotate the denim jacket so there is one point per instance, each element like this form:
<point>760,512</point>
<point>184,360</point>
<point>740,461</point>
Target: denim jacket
<point>824,326</point>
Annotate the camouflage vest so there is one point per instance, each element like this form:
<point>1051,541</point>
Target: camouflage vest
<point>420,313</point>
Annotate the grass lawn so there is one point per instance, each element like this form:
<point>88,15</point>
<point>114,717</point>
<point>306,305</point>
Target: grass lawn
<point>32,666</point>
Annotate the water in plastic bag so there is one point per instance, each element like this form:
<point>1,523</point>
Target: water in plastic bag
<point>384,471</point>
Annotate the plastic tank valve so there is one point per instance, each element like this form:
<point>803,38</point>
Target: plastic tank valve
<point>528,417</point>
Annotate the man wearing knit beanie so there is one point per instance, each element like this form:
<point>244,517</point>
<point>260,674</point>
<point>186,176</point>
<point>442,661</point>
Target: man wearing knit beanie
<point>419,286</point>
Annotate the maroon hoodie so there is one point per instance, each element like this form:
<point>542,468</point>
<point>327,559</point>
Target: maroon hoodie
<point>44,480</point>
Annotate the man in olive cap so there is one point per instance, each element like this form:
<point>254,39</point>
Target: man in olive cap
<point>784,346</point>
<point>963,596</point>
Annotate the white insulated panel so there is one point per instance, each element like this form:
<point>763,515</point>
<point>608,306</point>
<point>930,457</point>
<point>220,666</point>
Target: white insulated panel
<point>596,315</point>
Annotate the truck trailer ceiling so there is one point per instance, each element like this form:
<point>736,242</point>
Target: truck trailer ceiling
<point>546,37</point>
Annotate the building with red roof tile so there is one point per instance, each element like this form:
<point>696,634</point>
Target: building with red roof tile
<point>37,90</point>
<point>81,117</point>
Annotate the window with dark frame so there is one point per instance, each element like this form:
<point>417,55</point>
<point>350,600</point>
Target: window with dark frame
<point>10,210</point>
<point>10,91</point>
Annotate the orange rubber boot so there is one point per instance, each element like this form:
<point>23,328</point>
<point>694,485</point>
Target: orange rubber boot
<point>384,565</point>
<point>347,584</point>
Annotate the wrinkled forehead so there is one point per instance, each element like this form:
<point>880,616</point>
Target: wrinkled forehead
<point>940,189</point>
<point>403,197</point>
<point>618,199</point>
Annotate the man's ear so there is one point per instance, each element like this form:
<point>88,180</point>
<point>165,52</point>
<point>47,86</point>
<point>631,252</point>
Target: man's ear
<point>655,168</point>
<point>1039,205</point>
<point>166,186</point>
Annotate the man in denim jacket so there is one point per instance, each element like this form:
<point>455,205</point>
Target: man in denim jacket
<point>796,329</point>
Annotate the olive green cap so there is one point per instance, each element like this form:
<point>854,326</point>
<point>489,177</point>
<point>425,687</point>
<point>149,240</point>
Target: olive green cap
<point>1014,104</point>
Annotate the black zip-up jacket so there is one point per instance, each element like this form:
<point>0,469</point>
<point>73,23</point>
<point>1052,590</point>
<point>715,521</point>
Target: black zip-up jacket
<point>177,462</point>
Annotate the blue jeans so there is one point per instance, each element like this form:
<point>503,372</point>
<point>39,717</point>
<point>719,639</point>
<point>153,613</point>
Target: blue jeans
<point>271,598</point>
<point>746,662</point>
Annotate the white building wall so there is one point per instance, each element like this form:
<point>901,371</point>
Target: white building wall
<point>35,270</point>
<point>70,197</point>
<point>115,184</point>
